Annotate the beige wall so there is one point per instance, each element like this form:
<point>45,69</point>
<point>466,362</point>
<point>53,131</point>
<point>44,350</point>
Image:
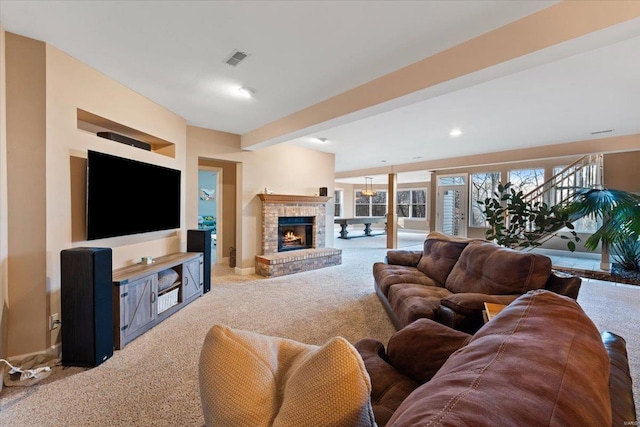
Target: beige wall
<point>26,195</point>
<point>348,194</point>
<point>621,171</point>
<point>45,87</point>
<point>4,280</point>
<point>282,169</point>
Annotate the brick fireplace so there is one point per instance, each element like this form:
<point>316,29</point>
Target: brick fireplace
<point>308,210</point>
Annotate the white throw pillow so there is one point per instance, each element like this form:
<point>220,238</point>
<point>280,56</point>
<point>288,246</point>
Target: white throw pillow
<point>253,380</point>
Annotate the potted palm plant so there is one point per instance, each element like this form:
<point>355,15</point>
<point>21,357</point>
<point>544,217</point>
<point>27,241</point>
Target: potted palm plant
<point>619,212</point>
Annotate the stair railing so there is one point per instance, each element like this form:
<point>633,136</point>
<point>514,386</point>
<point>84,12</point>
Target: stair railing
<point>586,172</point>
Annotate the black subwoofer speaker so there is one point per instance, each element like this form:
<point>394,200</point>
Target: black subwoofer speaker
<point>86,306</point>
<point>200,241</point>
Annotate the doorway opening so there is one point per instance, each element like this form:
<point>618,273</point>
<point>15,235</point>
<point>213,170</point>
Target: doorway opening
<point>209,197</point>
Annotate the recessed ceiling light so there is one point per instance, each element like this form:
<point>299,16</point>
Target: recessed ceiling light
<point>246,92</point>
<point>455,132</point>
<point>322,140</point>
<point>383,161</point>
<point>416,157</point>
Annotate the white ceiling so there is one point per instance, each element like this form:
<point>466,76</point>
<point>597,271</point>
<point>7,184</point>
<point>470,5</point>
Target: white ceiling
<point>302,52</point>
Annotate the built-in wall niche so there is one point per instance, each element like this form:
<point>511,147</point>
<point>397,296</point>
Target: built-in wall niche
<point>93,123</point>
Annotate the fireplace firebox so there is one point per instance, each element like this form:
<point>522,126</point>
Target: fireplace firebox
<point>295,232</point>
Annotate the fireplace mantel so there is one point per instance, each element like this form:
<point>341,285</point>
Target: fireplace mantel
<point>292,198</point>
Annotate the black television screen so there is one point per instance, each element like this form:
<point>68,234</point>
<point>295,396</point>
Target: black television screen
<point>128,197</point>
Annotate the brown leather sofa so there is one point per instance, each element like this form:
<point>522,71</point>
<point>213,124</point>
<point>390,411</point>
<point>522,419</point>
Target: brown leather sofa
<point>451,278</point>
<point>540,362</point>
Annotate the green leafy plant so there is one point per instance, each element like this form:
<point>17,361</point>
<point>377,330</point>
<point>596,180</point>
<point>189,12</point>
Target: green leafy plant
<point>517,223</point>
<point>619,212</point>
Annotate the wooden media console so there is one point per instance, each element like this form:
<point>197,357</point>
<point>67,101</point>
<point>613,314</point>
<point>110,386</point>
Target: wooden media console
<point>146,294</point>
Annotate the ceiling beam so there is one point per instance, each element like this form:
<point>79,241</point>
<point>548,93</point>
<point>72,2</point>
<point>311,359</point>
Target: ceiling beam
<point>560,23</point>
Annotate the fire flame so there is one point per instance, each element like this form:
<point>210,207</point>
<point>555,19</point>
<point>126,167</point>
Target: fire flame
<point>290,237</point>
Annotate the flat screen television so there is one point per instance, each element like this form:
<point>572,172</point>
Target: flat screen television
<point>126,196</point>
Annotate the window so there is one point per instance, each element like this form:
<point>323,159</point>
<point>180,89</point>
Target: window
<point>483,185</point>
<point>526,180</point>
<point>412,203</point>
<point>451,180</point>
<point>564,187</point>
<point>371,205</point>
<point>337,202</point>
<point>564,190</point>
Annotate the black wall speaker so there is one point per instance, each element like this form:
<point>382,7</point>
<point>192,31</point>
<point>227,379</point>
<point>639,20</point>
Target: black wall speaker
<point>200,241</point>
<point>86,306</point>
<point>323,191</point>
<point>125,140</point>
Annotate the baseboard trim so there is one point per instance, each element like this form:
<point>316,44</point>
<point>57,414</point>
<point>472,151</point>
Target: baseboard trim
<point>245,271</point>
<point>54,350</point>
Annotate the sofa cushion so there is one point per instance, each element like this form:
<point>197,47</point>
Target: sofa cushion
<point>487,268</point>
<point>249,379</point>
<point>421,348</point>
<point>439,255</point>
<point>411,302</point>
<point>404,257</point>
<point>388,386</point>
<point>386,275</point>
<point>562,372</point>
<point>469,304</point>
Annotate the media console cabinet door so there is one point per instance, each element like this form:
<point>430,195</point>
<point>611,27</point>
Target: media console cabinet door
<point>138,305</point>
<point>191,282</point>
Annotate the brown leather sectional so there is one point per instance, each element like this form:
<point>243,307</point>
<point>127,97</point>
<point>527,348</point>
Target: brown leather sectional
<point>451,278</point>
<point>540,362</point>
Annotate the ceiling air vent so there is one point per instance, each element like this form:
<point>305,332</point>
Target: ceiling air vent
<point>235,58</point>
<point>598,132</point>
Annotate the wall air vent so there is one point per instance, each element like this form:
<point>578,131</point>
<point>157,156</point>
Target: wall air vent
<point>235,58</point>
<point>601,131</point>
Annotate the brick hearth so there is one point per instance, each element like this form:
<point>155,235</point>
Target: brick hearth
<point>283,263</point>
<point>273,263</point>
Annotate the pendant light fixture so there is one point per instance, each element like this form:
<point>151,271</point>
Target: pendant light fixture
<point>368,187</point>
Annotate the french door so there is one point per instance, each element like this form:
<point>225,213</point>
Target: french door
<point>452,205</point>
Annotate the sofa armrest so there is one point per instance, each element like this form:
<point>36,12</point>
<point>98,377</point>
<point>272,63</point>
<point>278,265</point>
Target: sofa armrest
<point>623,409</point>
<point>389,387</point>
<point>401,257</point>
<point>420,349</point>
<point>563,284</point>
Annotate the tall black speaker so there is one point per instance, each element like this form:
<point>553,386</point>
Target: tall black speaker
<point>200,241</point>
<point>86,306</point>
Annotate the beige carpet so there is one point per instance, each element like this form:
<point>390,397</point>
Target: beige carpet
<point>153,380</point>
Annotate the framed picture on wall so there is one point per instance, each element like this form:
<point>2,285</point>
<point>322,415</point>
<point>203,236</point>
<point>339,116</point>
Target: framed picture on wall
<point>207,194</point>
